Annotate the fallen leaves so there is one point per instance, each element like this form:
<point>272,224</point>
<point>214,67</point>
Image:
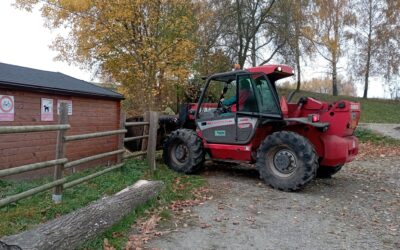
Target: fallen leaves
<point>205,225</point>
<point>200,195</point>
<point>150,224</point>
<point>147,231</point>
<point>177,185</point>
<point>370,150</point>
<point>117,234</point>
<point>251,219</point>
<point>183,206</point>
<point>218,219</point>
<point>222,206</point>
<point>107,245</point>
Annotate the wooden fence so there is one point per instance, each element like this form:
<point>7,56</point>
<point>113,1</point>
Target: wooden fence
<point>61,163</point>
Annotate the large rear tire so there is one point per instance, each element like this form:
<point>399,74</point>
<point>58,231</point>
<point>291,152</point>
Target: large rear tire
<point>287,161</point>
<point>183,151</point>
<point>325,172</point>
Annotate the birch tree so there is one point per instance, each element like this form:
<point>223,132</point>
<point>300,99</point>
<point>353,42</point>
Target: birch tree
<point>332,18</point>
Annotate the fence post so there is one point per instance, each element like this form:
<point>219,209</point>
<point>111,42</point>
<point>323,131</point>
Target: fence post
<point>146,118</point>
<point>152,141</point>
<point>60,153</point>
<point>121,136</point>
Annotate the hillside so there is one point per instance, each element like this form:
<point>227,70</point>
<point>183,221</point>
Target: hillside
<point>372,110</point>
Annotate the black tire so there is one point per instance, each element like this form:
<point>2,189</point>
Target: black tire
<point>325,172</point>
<point>183,151</point>
<point>287,161</point>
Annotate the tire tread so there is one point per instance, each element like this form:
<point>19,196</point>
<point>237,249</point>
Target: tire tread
<point>305,152</point>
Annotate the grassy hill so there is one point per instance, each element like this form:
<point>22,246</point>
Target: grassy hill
<point>372,110</point>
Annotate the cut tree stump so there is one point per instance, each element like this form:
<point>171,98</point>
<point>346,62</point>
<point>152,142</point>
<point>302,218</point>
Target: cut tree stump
<point>72,230</point>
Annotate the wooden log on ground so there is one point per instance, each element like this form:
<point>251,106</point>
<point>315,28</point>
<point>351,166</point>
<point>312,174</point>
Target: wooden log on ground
<point>72,230</point>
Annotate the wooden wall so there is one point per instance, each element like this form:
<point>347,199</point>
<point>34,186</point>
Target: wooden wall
<point>88,115</point>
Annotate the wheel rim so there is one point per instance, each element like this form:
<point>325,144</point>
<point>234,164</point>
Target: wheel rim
<point>180,153</point>
<point>283,162</point>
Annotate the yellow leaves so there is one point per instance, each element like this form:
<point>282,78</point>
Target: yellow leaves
<point>25,4</point>
<point>75,5</point>
<point>146,46</point>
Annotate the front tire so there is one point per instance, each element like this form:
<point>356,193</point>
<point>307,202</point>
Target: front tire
<point>183,151</point>
<point>287,161</point>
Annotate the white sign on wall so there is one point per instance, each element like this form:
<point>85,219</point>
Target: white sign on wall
<point>69,105</point>
<point>46,113</point>
<point>6,108</point>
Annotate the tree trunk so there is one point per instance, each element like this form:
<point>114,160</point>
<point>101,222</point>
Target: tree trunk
<point>367,67</point>
<point>334,78</point>
<point>253,45</point>
<point>335,49</point>
<point>366,80</point>
<point>297,41</point>
<point>298,65</point>
<point>71,230</point>
<point>241,58</point>
<point>298,75</point>
<point>253,52</point>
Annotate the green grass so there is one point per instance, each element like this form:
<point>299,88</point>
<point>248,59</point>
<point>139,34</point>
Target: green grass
<point>365,135</point>
<point>122,229</point>
<point>27,213</point>
<point>372,110</point>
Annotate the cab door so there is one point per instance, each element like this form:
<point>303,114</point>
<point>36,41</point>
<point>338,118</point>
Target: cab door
<point>247,109</point>
<point>233,125</point>
<point>216,124</point>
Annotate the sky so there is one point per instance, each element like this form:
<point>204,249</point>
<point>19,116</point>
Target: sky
<point>24,41</point>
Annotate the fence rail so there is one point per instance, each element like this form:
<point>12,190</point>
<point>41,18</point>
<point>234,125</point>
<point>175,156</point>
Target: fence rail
<point>30,192</point>
<point>135,138</point>
<point>27,129</point>
<point>131,124</point>
<point>94,135</point>
<point>92,158</point>
<point>61,162</point>
<point>89,177</point>
<point>30,167</point>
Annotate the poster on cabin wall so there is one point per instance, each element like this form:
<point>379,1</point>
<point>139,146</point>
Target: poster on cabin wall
<point>46,113</point>
<point>6,108</point>
<point>69,105</point>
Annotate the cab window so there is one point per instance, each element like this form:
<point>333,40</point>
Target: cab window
<point>267,101</point>
<point>247,101</point>
<point>213,94</point>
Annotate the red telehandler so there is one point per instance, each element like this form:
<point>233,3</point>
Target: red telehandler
<point>290,143</point>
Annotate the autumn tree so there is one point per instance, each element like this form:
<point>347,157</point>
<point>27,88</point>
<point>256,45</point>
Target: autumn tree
<point>212,22</point>
<point>376,40</point>
<point>145,46</point>
<point>331,19</point>
<point>389,56</point>
<point>369,34</point>
<point>246,34</point>
<point>294,27</point>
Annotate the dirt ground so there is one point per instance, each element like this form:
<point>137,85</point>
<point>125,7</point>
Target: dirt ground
<point>359,208</point>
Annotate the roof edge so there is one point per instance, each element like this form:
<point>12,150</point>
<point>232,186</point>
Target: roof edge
<point>61,91</point>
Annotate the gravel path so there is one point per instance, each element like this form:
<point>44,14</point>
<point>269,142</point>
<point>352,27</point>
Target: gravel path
<point>359,208</point>
<point>392,130</point>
